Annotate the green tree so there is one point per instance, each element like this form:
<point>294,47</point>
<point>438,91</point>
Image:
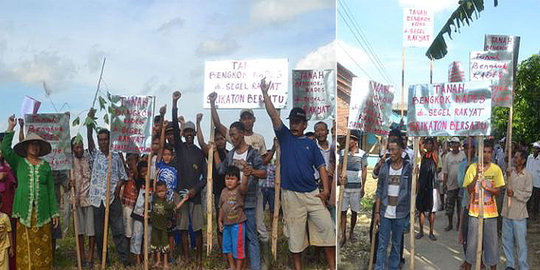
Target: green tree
<point>526,122</point>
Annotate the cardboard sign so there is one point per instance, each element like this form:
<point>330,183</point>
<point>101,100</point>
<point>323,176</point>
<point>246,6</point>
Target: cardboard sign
<point>54,128</point>
<point>417,27</point>
<point>29,106</point>
<point>497,67</point>
<point>449,109</point>
<point>131,124</point>
<point>370,107</point>
<point>314,91</point>
<point>503,43</point>
<point>456,72</point>
<point>237,83</point>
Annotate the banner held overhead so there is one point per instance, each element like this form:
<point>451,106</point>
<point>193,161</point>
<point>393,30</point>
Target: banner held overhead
<point>496,66</point>
<point>54,128</point>
<point>131,124</point>
<point>417,27</point>
<point>314,91</point>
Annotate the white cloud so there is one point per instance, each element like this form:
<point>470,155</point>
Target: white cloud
<point>95,58</point>
<point>434,5</point>
<point>275,11</point>
<point>213,47</point>
<point>323,57</point>
<point>171,25</point>
<point>351,57</point>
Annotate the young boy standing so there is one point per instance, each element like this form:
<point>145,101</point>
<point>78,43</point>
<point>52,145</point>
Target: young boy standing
<point>232,220</point>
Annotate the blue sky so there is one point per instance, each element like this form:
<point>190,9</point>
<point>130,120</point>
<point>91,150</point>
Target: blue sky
<point>152,48</point>
<point>382,24</point>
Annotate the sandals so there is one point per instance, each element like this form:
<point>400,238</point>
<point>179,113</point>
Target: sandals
<point>432,237</point>
<point>419,235</point>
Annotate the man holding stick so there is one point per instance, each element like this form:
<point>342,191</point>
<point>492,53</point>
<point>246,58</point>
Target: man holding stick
<point>491,183</point>
<point>99,159</point>
<point>302,201</point>
<point>192,167</point>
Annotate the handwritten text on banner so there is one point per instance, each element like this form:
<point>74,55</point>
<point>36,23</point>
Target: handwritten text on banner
<point>314,91</point>
<point>496,66</point>
<point>131,124</point>
<point>54,128</point>
<point>370,106</point>
<point>417,27</point>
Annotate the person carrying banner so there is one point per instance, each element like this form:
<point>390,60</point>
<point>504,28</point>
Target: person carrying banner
<point>514,224</point>
<point>354,187</point>
<point>302,201</point>
<point>192,167</point>
<point>464,195</point>
<point>450,171</point>
<point>533,166</point>
<point>492,182</point>
<point>98,189</point>
<point>33,211</point>
<point>426,199</point>
<point>392,205</point>
<point>85,213</point>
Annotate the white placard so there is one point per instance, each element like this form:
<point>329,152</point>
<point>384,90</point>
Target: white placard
<point>417,27</point>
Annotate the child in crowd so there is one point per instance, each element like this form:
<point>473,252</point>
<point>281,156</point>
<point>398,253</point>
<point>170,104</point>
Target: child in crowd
<point>6,249</point>
<point>129,195</point>
<point>162,210</point>
<point>136,244</point>
<point>232,220</point>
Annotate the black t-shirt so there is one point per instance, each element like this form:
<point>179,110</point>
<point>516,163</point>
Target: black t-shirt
<point>218,179</point>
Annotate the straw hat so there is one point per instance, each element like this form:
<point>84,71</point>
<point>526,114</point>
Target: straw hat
<point>20,148</point>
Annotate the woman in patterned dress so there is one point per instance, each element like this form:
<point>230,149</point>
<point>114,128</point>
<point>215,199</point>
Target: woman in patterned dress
<point>34,206</point>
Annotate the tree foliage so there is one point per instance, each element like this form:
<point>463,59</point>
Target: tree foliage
<point>526,119</point>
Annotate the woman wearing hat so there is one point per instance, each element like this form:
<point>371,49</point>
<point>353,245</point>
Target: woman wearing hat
<point>34,206</point>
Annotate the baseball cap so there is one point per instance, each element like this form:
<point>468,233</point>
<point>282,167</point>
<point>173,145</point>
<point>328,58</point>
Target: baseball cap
<point>189,125</point>
<point>455,139</point>
<point>355,134</point>
<point>297,112</point>
<point>466,142</point>
<point>250,111</point>
<point>536,144</point>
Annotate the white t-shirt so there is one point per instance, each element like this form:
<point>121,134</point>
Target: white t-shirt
<point>237,161</point>
<point>393,192</point>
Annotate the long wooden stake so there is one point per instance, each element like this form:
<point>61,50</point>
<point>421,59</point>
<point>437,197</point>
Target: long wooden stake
<point>277,188</point>
<point>209,191</point>
<point>431,70</point>
<point>75,221</point>
<point>382,147</point>
<point>509,146</point>
<point>416,149</point>
<point>341,189</point>
<point>106,225</point>
<point>480,206</point>
<point>146,201</point>
<point>402,81</point>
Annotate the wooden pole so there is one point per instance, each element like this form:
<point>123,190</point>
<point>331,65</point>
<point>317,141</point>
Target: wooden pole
<point>402,81</point>
<point>75,221</point>
<point>209,186</point>
<point>382,147</point>
<point>431,70</point>
<point>416,149</point>
<point>106,225</point>
<point>480,206</point>
<point>341,188</point>
<point>277,188</point>
<point>509,145</point>
<point>146,201</point>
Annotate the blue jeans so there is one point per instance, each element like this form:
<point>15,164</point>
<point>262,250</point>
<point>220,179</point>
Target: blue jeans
<point>268,197</point>
<point>396,226</point>
<point>252,239</point>
<point>515,231</point>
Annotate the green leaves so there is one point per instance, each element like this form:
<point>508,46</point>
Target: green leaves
<point>106,118</point>
<point>463,14</point>
<point>102,103</point>
<point>78,139</point>
<point>76,121</point>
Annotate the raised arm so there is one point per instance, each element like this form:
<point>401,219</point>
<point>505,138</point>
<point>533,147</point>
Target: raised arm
<point>270,109</point>
<point>200,137</point>
<point>161,141</point>
<point>270,154</point>
<point>176,131</point>
<point>215,117</point>
<point>7,150</point>
<point>90,133</point>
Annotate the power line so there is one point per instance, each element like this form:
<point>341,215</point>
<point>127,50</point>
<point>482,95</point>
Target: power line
<point>352,58</point>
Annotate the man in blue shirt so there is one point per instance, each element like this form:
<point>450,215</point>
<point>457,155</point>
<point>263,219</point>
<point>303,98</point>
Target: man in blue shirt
<point>302,201</point>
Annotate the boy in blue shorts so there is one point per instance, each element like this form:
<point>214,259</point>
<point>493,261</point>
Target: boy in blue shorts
<point>232,220</point>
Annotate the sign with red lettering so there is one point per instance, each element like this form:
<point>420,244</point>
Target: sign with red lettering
<point>314,91</point>
<point>237,83</point>
<point>503,43</point>
<point>449,109</point>
<point>456,72</point>
<point>497,67</point>
<point>370,107</point>
<point>131,124</point>
<point>417,27</point>
<point>54,128</point>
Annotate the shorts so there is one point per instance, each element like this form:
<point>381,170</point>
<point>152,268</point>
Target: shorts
<point>269,196</point>
<point>85,221</point>
<point>160,240</point>
<point>452,199</point>
<point>128,220</point>
<point>193,211</point>
<point>490,241</point>
<point>137,238</point>
<point>234,240</point>
<point>300,208</point>
<point>352,198</point>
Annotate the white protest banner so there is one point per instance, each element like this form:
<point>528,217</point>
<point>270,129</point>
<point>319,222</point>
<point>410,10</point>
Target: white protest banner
<point>314,91</point>
<point>237,83</point>
<point>370,107</point>
<point>131,124</point>
<point>54,128</point>
<point>496,66</point>
<point>503,43</point>
<point>29,106</point>
<point>417,27</point>
<point>449,109</point>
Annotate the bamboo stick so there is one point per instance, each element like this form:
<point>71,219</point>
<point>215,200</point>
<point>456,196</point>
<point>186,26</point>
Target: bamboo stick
<point>480,205</point>
<point>75,221</point>
<point>277,188</point>
<point>209,186</point>
<point>107,206</point>
<point>342,187</point>
<point>416,149</point>
<point>146,201</point>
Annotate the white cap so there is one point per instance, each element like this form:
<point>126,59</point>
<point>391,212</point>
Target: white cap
<point>455,139</point>
<point>536,144</point>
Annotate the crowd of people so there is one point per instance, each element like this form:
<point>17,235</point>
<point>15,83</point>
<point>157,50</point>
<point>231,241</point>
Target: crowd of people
<point>175,175</point>
<point>449,178</point>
